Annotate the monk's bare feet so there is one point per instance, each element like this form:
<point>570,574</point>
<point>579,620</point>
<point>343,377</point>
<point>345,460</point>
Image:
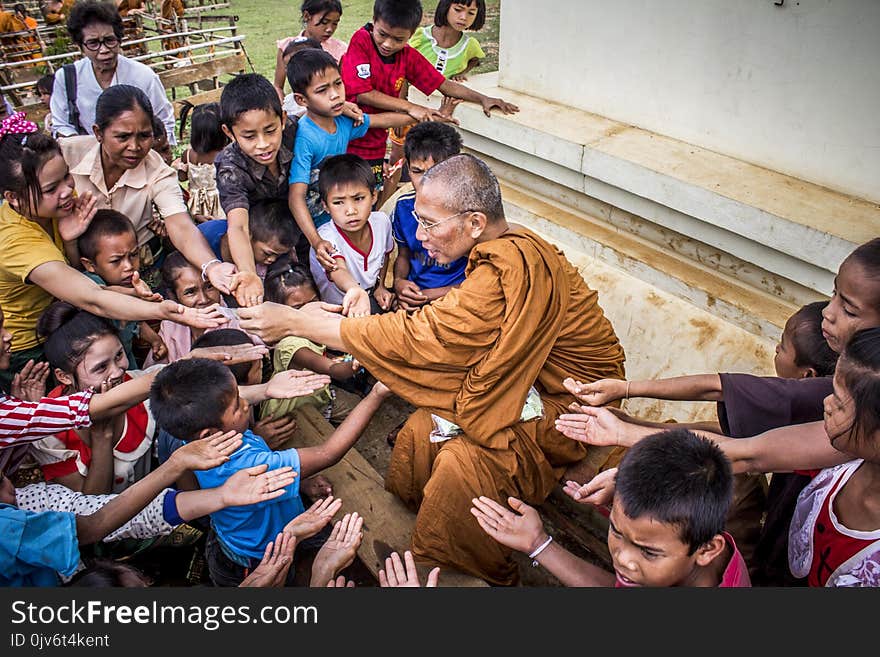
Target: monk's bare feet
<point>316,487</point>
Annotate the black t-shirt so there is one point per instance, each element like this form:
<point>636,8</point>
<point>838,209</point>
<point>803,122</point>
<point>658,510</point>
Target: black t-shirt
<point>752,405</point>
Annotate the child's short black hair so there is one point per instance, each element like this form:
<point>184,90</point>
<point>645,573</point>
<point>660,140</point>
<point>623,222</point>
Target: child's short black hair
<point>271,219</point>
<point>677,478</point>
<point>189,396</point>
<point>406,14</point>
<point>45,84</point>
<point>431,139</point>
<point>246,92</point>
<point>810,346</point>
<point>86,13</point>
<point>305,65</point>
<point>105,223</point>
<point>343,169</point>
<point>227,338</point>
<point>284,275</point>
<point>442,12</point>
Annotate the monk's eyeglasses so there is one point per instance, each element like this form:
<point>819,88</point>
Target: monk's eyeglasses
<point>429,227</point>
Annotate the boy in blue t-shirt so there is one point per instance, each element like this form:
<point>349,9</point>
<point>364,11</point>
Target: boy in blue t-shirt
<point>418,278</point>
<point>194,398</point>
<point>323,131</point>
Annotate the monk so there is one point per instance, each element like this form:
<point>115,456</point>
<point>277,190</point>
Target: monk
<point>523,316</point>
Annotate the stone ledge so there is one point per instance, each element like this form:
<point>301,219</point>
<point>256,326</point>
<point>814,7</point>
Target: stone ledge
<point>798,230</point>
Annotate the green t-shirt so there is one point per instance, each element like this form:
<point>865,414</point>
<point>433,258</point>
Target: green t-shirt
<point>448,61</point>
<point>284,352</point>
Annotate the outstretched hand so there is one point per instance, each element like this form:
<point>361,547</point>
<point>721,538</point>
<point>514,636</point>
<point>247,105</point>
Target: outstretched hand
<point>273,569</point>
<point>598,393</point>
<point>142,290</point>
<point>339,551</point>
<point>521,531</point>
<point>247,288</point>
<point>594,426</point>
<point>254,485</point>
<point>599,491</point>
<point>231,354</point>
<point>497,103</point>
<point>202,318</point>
<point>356,303</point>
<point>312,520</point>
<point>208,452</point>
<point>400,574</point>
<point>295,383</point>
<point>269,321</point>
<point>30,383</point>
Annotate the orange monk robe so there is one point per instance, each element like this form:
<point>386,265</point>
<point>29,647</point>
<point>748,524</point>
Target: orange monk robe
<point>60,16</point>
<point>18,43</point>
<point>522,316</point>
<point>172,9</point>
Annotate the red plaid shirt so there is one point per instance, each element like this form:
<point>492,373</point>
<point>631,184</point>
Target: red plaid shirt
<point>364,69</point>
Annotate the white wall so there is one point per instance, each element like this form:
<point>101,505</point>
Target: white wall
<point>793,88</point>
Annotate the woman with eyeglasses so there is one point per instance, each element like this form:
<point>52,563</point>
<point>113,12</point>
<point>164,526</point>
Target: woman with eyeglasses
<point>96,28</point>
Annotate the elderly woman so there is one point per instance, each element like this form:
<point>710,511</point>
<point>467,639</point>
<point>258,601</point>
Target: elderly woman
<point>121,171</point>
<point>96,28</point>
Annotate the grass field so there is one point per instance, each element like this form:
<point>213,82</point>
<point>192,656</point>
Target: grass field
<point>265,21</point>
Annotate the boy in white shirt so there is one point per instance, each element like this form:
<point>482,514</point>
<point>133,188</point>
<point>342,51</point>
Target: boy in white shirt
<point>362,239</point>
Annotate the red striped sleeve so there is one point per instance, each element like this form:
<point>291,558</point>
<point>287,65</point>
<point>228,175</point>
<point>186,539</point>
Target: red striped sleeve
<point>24,421</point>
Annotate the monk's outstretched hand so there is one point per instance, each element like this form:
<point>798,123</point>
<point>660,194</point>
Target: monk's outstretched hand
<point>269,321</point>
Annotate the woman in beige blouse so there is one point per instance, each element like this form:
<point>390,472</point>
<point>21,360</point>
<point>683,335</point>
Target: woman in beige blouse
<point>121,171</point>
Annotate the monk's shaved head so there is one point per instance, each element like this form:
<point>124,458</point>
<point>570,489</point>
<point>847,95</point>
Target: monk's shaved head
<point>467,184</point>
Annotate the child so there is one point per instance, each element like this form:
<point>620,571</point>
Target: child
<point>444,44</point>
<point>272,229</point>
<point>834,537</point>
<point>160,141</point>
<point>44,545</point>
<point>190,399</point>
<point>254,167</point>
<point>185,285</point>
<point>379,60</point>
<point>320,18</point>
<point>196,165</point>
<point>109,253</point>
<point>277,429</point>
<point>666,525</point>
<point>291,284</point>
<point>246,374</point>
<point>85,353</point>
<point>361,239</point>
<point>446,47</point>
<point>44,91</point>
<point>323,132</point>
<point>293,109</point>
<point>418,278</point>
<point>802,353</point>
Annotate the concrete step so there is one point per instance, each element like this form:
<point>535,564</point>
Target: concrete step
<point>793,233</point>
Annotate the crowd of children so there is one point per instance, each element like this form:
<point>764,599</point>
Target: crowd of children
<point>145,408</point>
